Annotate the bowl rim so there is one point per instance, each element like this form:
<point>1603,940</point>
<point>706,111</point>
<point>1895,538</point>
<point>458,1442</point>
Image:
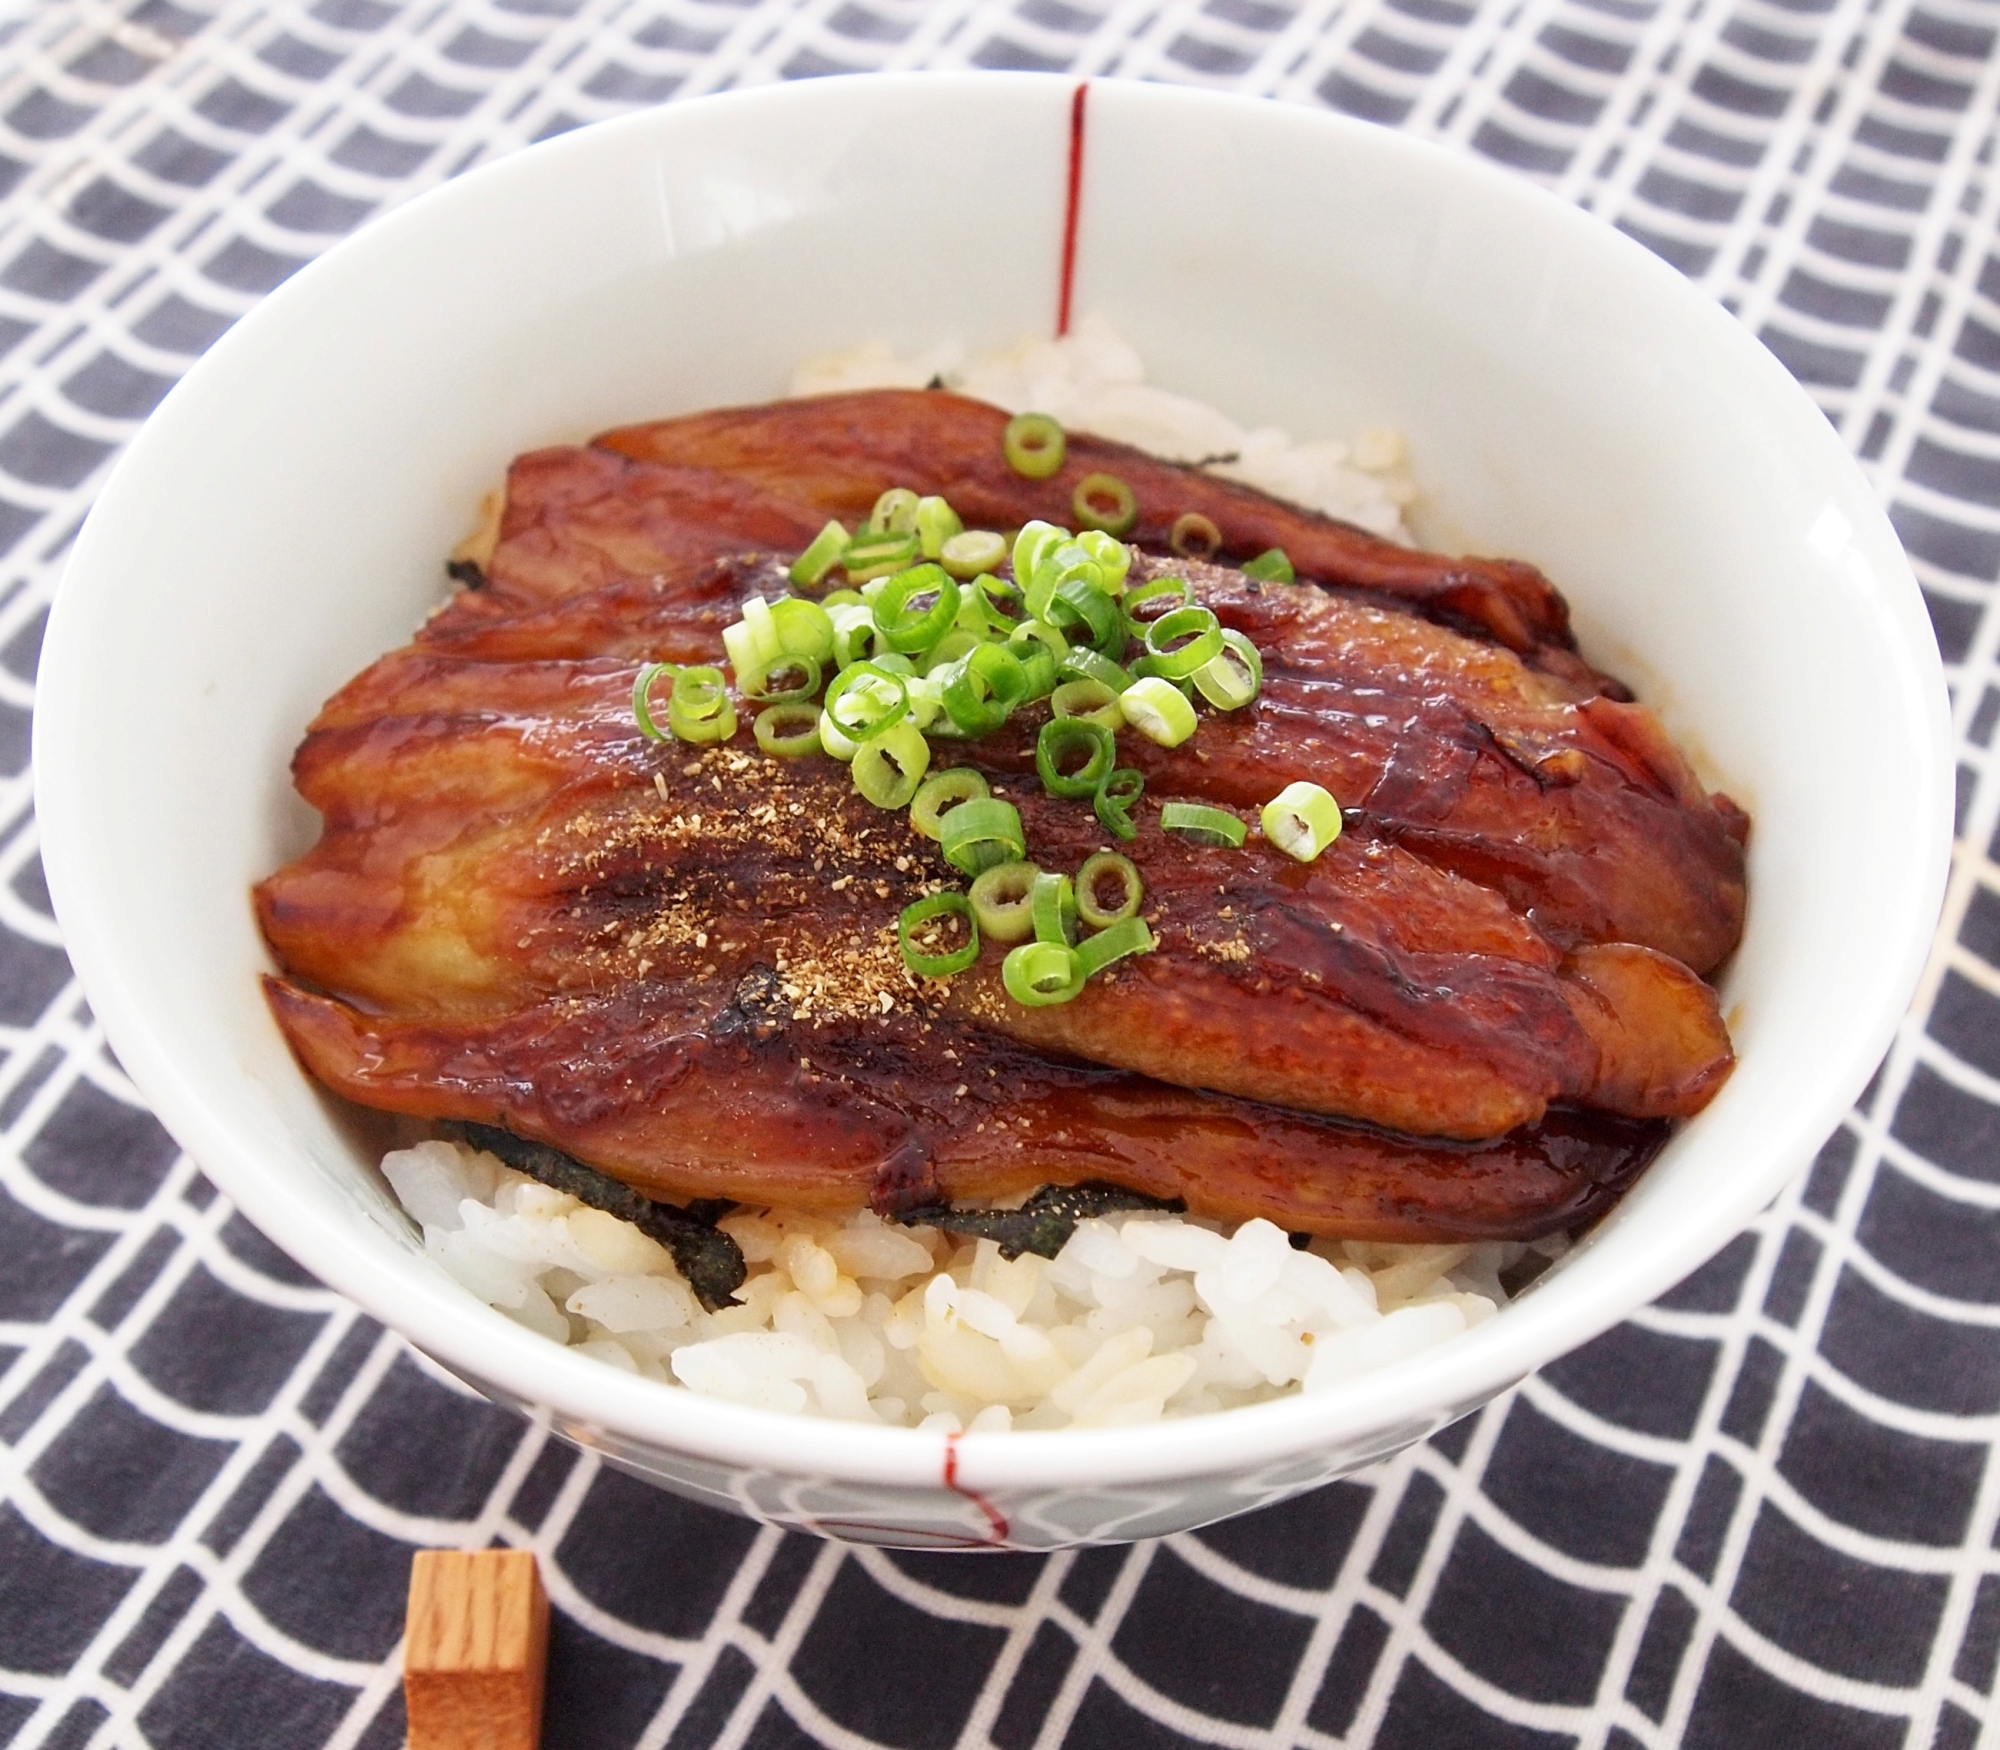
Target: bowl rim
<point>595,1402</point>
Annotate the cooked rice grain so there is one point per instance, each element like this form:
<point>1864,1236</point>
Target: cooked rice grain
<point>1142,1316</point>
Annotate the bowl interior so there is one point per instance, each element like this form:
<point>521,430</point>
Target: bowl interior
<point>1566,397</point>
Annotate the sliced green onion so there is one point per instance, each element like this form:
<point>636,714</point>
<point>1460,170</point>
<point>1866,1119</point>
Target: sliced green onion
<point>1111,556</point>
<point>895,513</point>
<point>799,675</point>
<point>739,644</point>
<point>1064,564</point>
<point>889,768</point>
<point>869,556</point>
<point>1205,825</point>
<point>1081,604</point>
<point>788,731</point>
<point>1033,445</point>
<point>1000,601</point>
<point>1234,676</point>
<point>973,553</point>
<point>803,628</point>
<point>1182,641</point>
<point>1302,820</point>
<point>1154,706</point>
<point>1273,565</point>
<point>1039,973</point>
<point>1060,739</point>
<point>1034,542</point>
<point>1038,647</point>
<point>839,598</point>
<point>978,834</point>
<point>853,632</point>
<point>832,742</point>
<point>1194,536</point>
<point>941,792</point>
<point>762,627</point>
<point>896,663</point>
<point>1161,596</point>
<point>1107,866</point>
<point>1089,702</point>
<point>1131,936</point>
<point>901,616</point>
<point>948,649</point>
<point>642,697</point>
<point>1103,501</point>
<point>925,911</point>
<point>700,710</point>
<point>1000,901</point>
<point>1093,665</point>
<point>866,700</point>
<point>1145,666</point>
<point>1116,797</point>
<point>1052,906</point>
<point>926,700</point>
<point>983,687</point>
<point>822,554</point>
<point>937,523</point>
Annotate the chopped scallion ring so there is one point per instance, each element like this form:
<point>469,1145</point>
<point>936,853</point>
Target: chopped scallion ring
<point>926,912</point>
<point>983,687</point>
<point>973,553</point>
<point>1302,820</point>
<point>942,792</point>
<point>832,742</point>
<point>1182,641</point>
<point>1112,557</point>
<point>1035,541</point>
<point>780,681</point>
<point>1116,797</point>
<point>1039,973</point>
<point>869,556</point>
<point>1154,706</point>
<point>1089,702</point>
<point>839,598</point>
<point>1234,676</point>
<point>1000,602</point>
<point>1000,901</point>
<point>889,768</point>
<point>976,835</point>
<point>1062,738</point>
<point>937,523</point>
<point>699,710</point>
<point>1131,936</point>
<point>916,608</point>
<point>1093,665</point>
<point>865,700</point>
<point>951,647</point>
<point>823,553</point>
<point>1052,905</point>
<point>1103,501</point>
<point>895,513</point>
<point>1204,825</point>
<point>1033,444</point>
<point>1085,614</point>
<point>1161,596</point>
<point>788,731</point>
<point>1108,866</point>
<point>1273,565</point>
<point>1194,536</point>
<point>642,697</point>
<point>804,628</point>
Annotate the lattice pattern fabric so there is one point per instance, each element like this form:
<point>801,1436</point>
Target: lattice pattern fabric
<point>1761,1512</point>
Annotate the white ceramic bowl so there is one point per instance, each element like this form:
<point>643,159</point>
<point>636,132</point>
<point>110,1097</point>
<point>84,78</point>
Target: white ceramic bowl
<point>1568,399</point>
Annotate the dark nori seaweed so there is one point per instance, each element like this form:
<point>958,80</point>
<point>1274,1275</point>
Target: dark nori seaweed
<point>711,1261</point>
<point>1041,1225</point>
<point>467,572</point>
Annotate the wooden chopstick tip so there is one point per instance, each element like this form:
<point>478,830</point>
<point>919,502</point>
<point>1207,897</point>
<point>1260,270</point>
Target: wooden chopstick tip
<point>475,1650</point>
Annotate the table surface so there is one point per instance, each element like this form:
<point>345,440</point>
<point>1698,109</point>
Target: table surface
<point>1761,1513</point>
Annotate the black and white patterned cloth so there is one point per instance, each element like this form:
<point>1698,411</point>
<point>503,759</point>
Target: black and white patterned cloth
<point>1761,1513</point>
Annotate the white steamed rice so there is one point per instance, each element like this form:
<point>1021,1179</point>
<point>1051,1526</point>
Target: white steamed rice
<point>1142,1316</point>
<point>1093,381</point>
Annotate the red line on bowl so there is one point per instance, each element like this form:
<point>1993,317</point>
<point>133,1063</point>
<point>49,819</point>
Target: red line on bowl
<point>1075,200</point>
<point>995,1519</point>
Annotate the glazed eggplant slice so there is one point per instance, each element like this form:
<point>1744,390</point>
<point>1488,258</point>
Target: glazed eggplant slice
<point>1475,1015</point>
